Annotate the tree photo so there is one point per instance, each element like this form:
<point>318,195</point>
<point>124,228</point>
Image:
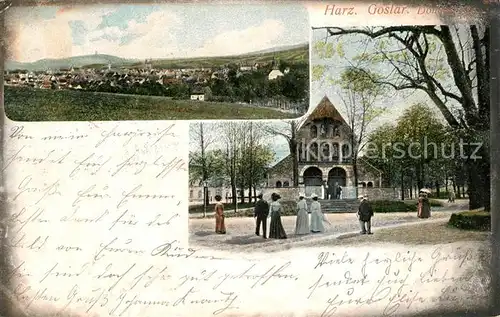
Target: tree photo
<point>448,65</point>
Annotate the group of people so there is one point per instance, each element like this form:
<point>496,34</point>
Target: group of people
<point>276,231</point>
<point>305,224</point>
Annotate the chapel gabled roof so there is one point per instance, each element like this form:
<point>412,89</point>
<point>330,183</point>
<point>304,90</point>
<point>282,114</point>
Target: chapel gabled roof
<point>324,109</point>
<point>283,167</point>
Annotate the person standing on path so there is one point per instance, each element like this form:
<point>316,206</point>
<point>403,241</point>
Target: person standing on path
<point>220,226</point>
<point>317,216</point>
<point>424,206</point>
<point>302,222</point>
<point>365,214</point>
<point>276,230</point>
<point>451,196</point>
<point>261,212</point>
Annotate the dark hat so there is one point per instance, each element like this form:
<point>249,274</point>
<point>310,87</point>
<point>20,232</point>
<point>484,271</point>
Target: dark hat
<point>275,196</point>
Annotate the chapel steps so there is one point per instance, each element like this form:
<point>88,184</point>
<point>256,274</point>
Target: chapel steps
<point>339,205</point>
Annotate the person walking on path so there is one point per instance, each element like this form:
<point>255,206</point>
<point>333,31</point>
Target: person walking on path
<point>261,212</point>
<point>317,216</point>
<point>220,226</point>
<point>302,222</point>
<point>365,214</point>
<point>276,230</point>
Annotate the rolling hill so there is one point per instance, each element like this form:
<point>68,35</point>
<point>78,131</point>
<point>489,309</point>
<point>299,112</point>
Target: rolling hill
<point>76,61</point>
<point>292,54</point>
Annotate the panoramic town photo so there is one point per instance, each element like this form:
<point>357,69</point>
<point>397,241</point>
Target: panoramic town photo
<point>157,62</point>
<point>393,149</point>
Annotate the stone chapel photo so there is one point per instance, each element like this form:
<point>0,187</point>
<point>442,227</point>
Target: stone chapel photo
<point>325,158</point>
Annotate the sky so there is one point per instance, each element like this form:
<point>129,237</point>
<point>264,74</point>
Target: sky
<point>153,31</point>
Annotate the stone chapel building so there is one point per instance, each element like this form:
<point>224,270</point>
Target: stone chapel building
<point>324,157</point>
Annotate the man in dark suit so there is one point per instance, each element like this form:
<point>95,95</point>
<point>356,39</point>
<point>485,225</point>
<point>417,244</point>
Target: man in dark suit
<point>365,214</point>
<point>261,212</point>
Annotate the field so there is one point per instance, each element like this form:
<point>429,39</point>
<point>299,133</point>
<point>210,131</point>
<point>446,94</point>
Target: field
<point>28,104</point>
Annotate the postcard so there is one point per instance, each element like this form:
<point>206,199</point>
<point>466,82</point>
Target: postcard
<point>335,161</point>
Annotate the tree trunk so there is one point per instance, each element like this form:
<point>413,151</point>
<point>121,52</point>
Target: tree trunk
<point>402,185</point>
<point>242,189</point>
<point>293,144</point>
<point>418,175</point>
<point>437,189</point>
<point>295,162</point>
<point>207,198</point>
<point>355,172</point>
<point>234,194</point>
<point>478,185</point>
<point>486,170</point>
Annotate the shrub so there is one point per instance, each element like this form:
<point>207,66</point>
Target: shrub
<point>384,206</point>
<point>471,220</point>
<point>195,209</point>
<point>435,203</point>
<point>289,209</point>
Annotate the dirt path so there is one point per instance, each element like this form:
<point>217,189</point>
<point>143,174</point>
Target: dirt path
<point>240,235</point>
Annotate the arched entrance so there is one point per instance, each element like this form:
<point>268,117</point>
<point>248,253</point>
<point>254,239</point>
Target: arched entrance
<point>336,177</point>
<point>313,181</point>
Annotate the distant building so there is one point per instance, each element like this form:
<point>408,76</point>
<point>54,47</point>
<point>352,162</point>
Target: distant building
<point>274,74</point>
<point>198,94</point>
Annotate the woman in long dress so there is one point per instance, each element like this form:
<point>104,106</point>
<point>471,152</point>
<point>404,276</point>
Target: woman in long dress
<point>276,230</point>
<point>302,222</point>
<point>317,216</point>
<point>220,226</point>
<point>419,204</point>
<point>424,207</point>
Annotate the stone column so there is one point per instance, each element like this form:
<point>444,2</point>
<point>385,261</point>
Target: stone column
<point>340,153</point>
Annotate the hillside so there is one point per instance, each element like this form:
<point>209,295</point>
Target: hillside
<point>76,61</point>
<point>27,104</point>
<point>290,54</point>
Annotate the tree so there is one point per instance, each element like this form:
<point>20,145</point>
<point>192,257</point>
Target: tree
<point>450,64</point>
<point>420,132</point>
<point>414,151</point>
<point>288,130</point>
<point>231,133</point>
<point>359,95</point>
<point>201,163</point>
<point>382,139</point>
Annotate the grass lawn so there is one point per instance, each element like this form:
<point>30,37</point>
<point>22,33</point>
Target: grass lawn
<point>28,104</point>
<point>431,233</point>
